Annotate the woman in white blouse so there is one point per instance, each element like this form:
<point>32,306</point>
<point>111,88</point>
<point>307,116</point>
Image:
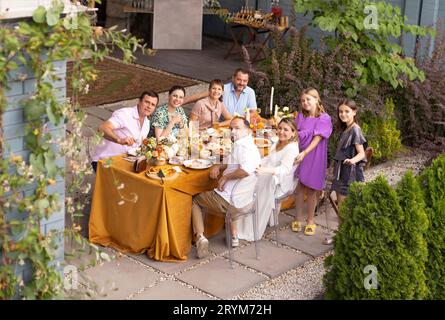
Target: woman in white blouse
<point>275,178</point>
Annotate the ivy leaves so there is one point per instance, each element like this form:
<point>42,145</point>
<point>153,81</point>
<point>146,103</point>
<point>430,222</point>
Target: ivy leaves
<point>377,57</point>
<point>50,16</point>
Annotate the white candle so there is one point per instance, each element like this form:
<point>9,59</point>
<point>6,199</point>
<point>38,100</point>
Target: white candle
<point>190,130</point>
<point>248,115</point>
<point>271,100</point>
<point>276,111</point>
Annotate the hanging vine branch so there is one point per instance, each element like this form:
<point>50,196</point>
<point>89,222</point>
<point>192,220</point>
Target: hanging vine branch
<point>39,44</point>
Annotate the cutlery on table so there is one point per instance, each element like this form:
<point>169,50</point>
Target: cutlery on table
<point>161,175</point>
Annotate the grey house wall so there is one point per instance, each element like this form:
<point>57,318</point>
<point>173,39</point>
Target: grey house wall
<point>420,12</point>
<point>14,122</point>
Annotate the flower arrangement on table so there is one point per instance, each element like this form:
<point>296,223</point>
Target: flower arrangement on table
<point>159,150</point>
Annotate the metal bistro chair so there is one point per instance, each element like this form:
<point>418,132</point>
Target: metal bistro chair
<point>234,213</point>
<point>278,202</point>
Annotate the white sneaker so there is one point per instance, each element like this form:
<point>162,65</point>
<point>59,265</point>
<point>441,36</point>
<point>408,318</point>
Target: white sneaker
<point>202,247</point>
<point>235,242</point>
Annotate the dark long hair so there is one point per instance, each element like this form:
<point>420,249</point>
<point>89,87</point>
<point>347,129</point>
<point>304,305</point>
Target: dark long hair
<point>174,88</point>
<point>341,126</point>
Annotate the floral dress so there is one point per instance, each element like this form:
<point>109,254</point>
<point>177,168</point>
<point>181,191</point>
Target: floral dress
<point>160,119</point>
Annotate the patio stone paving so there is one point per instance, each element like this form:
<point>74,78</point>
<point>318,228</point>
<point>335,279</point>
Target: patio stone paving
<point>220,279</point>
<point>120,278</point>
<point>170,267</point>
<point>164,289</point>
<point>273,260</point>
<point>307,244</point>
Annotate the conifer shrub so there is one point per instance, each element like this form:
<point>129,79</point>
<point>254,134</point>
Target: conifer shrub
<point>368,237</point>
<point>381,132</point>
<point>412,226</point>
<point>432,182</point>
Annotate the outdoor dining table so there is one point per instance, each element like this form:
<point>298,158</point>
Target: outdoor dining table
<point>159,221</point>
<point>133,213</point>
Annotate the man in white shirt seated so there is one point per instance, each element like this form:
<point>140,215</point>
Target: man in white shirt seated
<point>126,128</point>
<point>242,162</point>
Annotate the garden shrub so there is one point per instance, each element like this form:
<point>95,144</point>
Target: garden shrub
<point>421,111</point>
<point>412,226</point>
<point>432,182</point>
<point>381,132</point>
<point>368,236</point>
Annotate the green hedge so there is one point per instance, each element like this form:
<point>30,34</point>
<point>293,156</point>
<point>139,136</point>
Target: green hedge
<point>412,226</point>
<point>401,232</point>
<point>432,182</point>
<point>381,132</point>
<point>368,236</point>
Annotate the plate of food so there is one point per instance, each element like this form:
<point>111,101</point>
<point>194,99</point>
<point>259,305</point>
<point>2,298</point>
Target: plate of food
<point>197,164</point>
<point>134,151</point>
<point>262,143</point>
<point>176,160</point>
<point>166,172</point>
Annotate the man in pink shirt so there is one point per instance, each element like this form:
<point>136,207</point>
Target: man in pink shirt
<point>126,128</point>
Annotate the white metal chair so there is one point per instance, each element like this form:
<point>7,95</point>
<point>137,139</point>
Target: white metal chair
<point>234,213</point>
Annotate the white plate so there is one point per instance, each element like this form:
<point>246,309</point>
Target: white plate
<point>176,160</point>
<point>133,151</point>
<point>197,164</point>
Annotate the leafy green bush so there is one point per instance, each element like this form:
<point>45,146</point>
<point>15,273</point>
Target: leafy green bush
<point>412,226</point>
<point>377,58</point>
<point>432,182</point>
<point>368,236</point>
<point>381,132</point>
<point>421,111</point>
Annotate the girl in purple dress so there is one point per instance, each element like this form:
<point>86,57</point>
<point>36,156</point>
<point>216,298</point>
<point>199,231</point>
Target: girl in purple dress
<point>314,128</point>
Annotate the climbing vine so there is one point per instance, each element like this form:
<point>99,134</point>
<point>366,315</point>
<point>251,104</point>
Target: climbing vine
<point>39,45</point>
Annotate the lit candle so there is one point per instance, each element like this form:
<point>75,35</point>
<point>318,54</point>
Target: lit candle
<point>190,130</point>
<point>248,115</point>
<point>271,100</point>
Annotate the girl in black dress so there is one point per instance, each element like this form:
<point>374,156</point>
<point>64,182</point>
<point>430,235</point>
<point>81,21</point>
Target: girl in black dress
<point>350,158</point>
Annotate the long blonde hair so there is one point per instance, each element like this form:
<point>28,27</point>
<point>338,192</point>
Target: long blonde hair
<point>313,93</point>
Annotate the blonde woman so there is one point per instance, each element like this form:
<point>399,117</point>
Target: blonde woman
<point>275,178</point>
<point>314,128</point>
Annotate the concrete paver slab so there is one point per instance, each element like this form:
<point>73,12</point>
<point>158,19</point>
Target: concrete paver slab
<point>100,113</point>
<point>273,260</point>
<point>308,244</point>
<point>218,243</point>
<point>120,278</point>
<point>332,219</point>
<point>170,267</point>
<point>220,280</point>
<point>92,122</point>
<point>171,290</point>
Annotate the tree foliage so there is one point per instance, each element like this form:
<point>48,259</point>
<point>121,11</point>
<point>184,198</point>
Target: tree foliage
<point>377,58</point>
<point>37,46</point>
<point>368,236</point>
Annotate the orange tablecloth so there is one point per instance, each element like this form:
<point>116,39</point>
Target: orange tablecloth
<point>159,221</point>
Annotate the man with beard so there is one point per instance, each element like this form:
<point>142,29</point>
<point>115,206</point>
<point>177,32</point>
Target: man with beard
<point>237,94</point>
<point>242,162</point>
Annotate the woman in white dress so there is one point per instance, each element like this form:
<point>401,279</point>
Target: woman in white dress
<point>275,178</point>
